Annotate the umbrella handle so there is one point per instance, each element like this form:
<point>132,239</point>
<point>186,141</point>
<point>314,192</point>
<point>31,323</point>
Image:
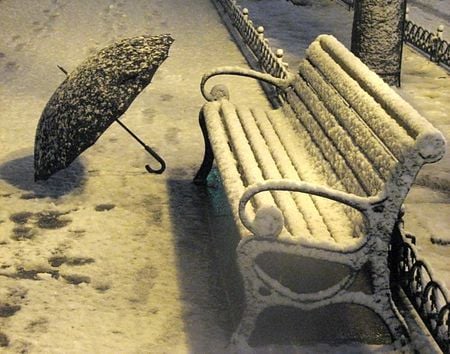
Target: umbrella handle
<point>157,158</point>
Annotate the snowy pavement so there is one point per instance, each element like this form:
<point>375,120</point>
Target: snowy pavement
<point>104,258</point>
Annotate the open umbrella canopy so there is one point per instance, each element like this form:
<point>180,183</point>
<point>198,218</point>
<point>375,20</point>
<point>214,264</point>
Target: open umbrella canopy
<point>92,97</point>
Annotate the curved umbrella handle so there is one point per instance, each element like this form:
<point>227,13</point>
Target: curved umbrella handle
<point>148,149</point>
<point>157,158</point>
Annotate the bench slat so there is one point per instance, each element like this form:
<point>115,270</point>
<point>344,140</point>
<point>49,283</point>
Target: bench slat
<point>243,152</point>
<point>281,156</point>
<point>403,113</point>
<point>340,170</point>
<point>304,203</point>
<point>332,213</point>
<point>306,127</point>
<point>393,136</point>
<point>225,161</point>
<point>356,164</point>
<point>296,224</point>
<point>382,160</point>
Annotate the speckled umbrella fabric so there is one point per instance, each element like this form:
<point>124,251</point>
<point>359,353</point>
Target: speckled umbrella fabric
<point>92,97</point>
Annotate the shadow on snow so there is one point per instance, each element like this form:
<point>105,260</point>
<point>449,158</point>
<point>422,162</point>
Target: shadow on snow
<point>19,172</point>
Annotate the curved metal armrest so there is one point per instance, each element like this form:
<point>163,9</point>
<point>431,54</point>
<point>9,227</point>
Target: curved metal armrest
<point>366,205</point>
<point>234,70</point>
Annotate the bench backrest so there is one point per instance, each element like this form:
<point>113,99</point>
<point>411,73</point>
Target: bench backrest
<point>372,139</point>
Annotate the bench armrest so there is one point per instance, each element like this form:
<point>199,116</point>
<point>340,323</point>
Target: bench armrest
<point>235,70</point>
<point>366,205</point>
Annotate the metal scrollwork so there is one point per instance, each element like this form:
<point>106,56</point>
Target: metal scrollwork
<point>427,295</point>
<point>428,42</point>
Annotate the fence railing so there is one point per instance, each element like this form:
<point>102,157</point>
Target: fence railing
<point>427,295</point>
<point>428,42</point>
<point>269,60</point>
<point>431,43</point>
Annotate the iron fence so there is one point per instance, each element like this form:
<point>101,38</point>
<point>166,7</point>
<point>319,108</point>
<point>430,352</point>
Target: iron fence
<point>429,297</point>
<point>270,61</point>
<point>428,42</point>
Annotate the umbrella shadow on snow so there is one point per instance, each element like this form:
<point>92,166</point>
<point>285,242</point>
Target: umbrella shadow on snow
<point>19,172</point>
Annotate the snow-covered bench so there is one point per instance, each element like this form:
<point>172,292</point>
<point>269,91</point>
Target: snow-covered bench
<point>321,179</point>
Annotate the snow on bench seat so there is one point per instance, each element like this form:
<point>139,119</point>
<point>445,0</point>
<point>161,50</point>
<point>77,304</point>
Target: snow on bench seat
<point>322,178</point>
<point>253,133</point>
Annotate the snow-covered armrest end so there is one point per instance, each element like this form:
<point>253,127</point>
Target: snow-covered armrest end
<point>269,220</point>
<point>235,70</point>
<point>431,146</point>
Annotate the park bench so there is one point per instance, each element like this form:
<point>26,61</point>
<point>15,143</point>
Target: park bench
<point>319,181</point>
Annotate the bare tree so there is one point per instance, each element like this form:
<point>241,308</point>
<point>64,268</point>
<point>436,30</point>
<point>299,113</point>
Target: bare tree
<point>377,36</point>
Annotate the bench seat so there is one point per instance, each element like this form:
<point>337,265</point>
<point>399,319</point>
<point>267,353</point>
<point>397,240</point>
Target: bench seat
<point>270,147</point>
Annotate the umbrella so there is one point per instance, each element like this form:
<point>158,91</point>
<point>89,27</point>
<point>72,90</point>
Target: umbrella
<point>94,96</point>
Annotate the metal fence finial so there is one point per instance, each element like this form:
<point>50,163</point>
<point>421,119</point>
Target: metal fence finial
<point>440,32</point>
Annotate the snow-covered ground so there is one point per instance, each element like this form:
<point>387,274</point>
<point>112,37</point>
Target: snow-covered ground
<point>104,258</point>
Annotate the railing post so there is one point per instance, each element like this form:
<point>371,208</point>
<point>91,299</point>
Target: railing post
<point>279,53</point>
<point>245,13</point>
<point>436,38</point>
<point>260,31</point>
<point>259,46</point>
<point>440,32</point>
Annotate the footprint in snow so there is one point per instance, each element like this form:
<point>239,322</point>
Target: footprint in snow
<point>7,310</point>
<point>104,207</point>
<point>27,223</point>
<point>166,97</point>
<point>47,219</point>
<point>4,340</point>
<point>76,279</point>
<point>21,233</point>
<point>57,261</point>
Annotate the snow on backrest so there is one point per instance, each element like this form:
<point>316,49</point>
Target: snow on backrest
<point>367,134</point>
<point>429,142</point>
